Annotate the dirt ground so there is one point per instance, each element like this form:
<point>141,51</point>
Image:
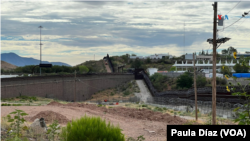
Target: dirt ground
<point>133,122</point>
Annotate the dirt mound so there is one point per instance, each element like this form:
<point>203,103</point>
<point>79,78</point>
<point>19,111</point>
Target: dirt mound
<point>50,116</point>
<point>145,114</point>
<point>142,114</point>
<point>53,103</point>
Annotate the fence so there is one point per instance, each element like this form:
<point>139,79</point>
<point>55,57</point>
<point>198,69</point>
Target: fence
<point>62,87</point>
<point>223,109</point>
<point>176,74</point>
<point>110,63</point>
<point>204,94</point>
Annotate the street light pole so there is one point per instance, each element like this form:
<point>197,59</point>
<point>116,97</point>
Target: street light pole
<point>195,89</point>
<point>214,65</point>
<point>40,49</point>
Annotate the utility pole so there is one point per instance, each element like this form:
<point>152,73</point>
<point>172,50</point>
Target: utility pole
<point>214,66</point>
<point>75,87</point>
<point>40,50</point>
<point>195,90</point>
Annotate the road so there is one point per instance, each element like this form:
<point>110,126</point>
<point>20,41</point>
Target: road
<point>144,92</point>
<point>107,67</point>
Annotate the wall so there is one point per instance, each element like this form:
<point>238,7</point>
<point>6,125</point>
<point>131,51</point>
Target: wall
<point>203,93</point>
<point>62,87</point>
<point>176,74</point>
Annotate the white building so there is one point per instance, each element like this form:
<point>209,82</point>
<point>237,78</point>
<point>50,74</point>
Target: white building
<point>204,66</point>
<point>200,57</point>
<point>152,71</point>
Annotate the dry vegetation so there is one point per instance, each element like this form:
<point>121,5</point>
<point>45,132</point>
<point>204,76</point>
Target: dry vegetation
<point>123,91</point>
<point>95,66</point>
<point>7,66</point>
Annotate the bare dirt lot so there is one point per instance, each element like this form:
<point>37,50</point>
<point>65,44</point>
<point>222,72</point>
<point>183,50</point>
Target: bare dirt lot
<point>133,122</point>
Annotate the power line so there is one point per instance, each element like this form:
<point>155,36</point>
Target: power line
<point>243,15</point>
<point>230,25</point>
<point>236,29</point>
<point>233,7</point>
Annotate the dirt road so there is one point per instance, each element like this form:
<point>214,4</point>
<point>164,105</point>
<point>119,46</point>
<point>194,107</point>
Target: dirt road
<point>144,92</point>
<point>107,67</point>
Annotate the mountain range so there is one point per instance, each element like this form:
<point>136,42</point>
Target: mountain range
<point>19,61</point>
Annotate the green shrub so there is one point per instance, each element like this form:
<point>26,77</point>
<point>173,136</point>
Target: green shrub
<point>100,105</point>
<point>201,81</point>
<point>158,109</point>
<point>140,138</point>
<point>91,129</point>
<point>144,105</point>
<point>126,93</point>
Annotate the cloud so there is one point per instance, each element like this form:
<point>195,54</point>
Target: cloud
<point>100,2</point>
<point>80,29</point>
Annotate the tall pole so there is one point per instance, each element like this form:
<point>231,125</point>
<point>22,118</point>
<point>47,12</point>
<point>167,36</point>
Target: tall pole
<point>195,90</point>
<point>214,66</point>
<point>184,39</point>
<point>75,87</point>
<point>40,50</point>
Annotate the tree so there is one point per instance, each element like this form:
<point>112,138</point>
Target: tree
<point>241,68</point>
<point>173,68</point>
<point>185,80</point>
<point>226,70</point>
<point>231,50</point>
<point>202,52</point>
<point>83,69</point>
<point>136,64</point>
<point>148,60</point>
<point>201,81</point>
<point>133,55</point>
<point>224,51</point>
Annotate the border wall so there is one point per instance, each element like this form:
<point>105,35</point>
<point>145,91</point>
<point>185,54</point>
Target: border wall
<point>62,87</point>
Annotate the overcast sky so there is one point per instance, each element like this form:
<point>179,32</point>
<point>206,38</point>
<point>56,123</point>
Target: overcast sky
<point>74,31</point>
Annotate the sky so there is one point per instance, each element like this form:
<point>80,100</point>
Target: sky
<point>77,31</point>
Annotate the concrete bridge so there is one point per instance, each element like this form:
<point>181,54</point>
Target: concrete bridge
<point>62,87</point>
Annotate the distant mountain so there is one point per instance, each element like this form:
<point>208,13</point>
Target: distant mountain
<point>19,61</point>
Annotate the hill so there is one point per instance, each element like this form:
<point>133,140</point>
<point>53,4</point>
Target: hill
<point>19,61</point>
<point>94,66</point>
<point>161,64</point>
<point>7,66</point>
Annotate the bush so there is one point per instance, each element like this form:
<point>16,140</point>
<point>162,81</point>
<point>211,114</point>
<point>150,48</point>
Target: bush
<point>126,93</point>
<point>241,68</point>
<point>91,129</point>
<point>159,81</point>
<point>201,81</point>
<point>185,80</point>
<point>221,81</point>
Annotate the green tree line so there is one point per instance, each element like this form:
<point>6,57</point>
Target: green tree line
<point>53,69</point>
